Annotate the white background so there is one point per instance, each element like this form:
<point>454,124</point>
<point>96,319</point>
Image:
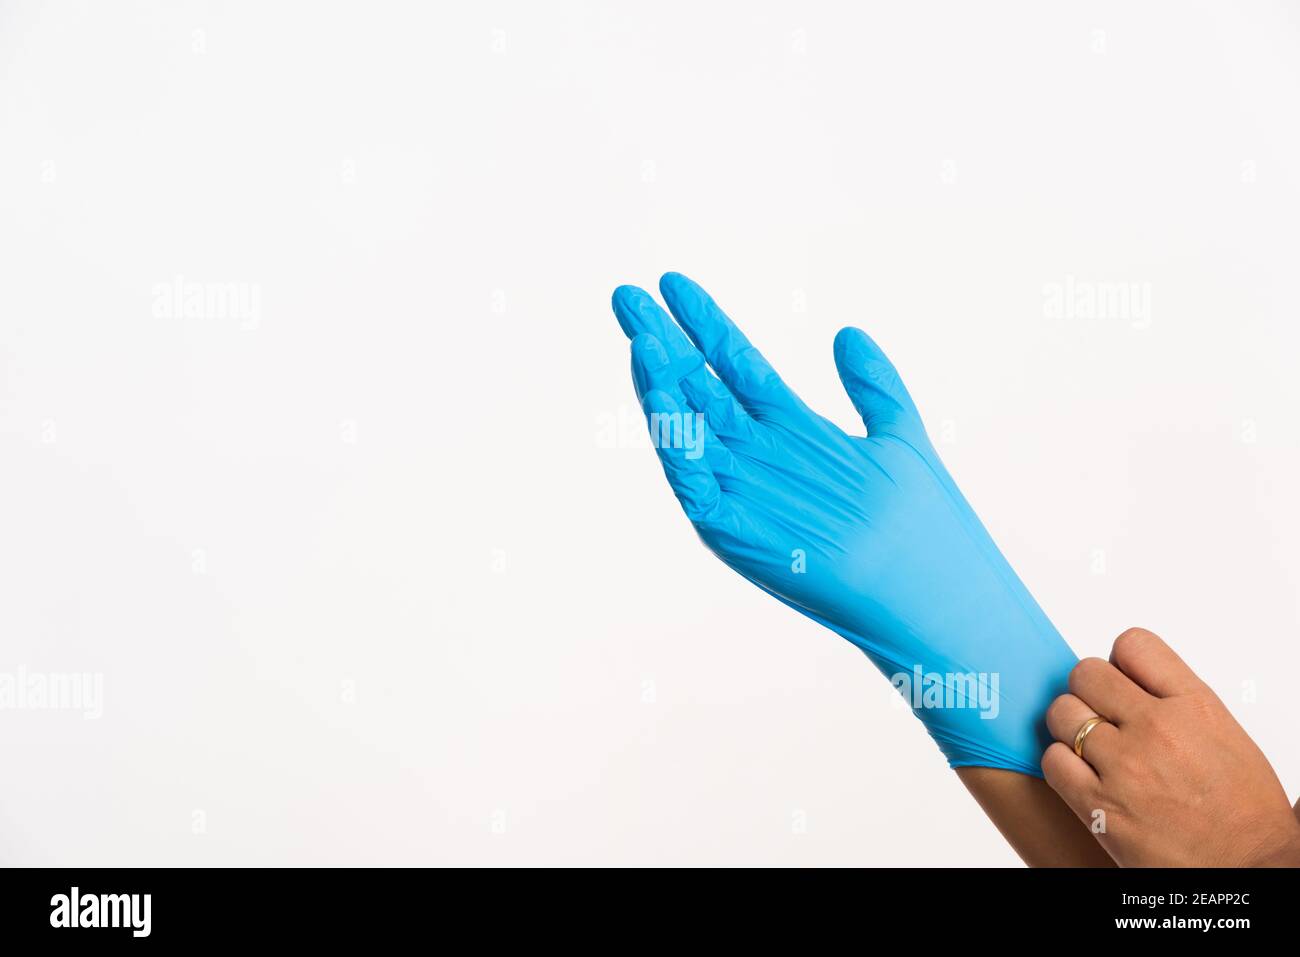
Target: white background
<point>372,580</point>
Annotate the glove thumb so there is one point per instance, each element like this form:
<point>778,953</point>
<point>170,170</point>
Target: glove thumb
<point>874,386</point>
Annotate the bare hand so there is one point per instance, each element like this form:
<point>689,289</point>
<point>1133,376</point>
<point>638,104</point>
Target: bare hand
<point>1169,779</point>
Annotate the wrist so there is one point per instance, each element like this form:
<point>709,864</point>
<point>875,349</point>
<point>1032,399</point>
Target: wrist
<point>1281,851</point>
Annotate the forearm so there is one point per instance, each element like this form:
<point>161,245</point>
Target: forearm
<point>1033,819</point>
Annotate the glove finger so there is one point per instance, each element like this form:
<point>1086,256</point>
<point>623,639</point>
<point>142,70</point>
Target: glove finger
<point>873,384</point>
<point>638,313</point>
<point>677,439</point>
<point>741,367</point>
<point>651,370</point>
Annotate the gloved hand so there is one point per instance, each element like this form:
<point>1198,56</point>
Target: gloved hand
<point>868,536</point>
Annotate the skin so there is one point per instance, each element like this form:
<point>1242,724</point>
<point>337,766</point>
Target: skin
<point>1033,819</point>
<point>1180,782</point>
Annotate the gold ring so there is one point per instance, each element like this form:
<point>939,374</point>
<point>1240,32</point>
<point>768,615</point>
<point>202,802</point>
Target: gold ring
<point>1084,732</point>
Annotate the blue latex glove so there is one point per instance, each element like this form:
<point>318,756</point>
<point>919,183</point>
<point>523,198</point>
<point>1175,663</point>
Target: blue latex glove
<point>868,536</point>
